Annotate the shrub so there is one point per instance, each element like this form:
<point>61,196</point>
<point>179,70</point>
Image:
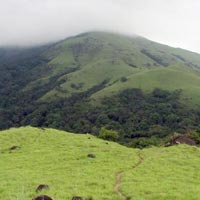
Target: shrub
<point>108,134</point>
<point>195,135</point>
<point>123,79</point>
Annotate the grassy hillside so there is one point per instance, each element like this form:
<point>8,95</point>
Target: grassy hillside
<point>60,160</point>
<point>103,56</point>
<point>79,63</point>
<point>170,78</point>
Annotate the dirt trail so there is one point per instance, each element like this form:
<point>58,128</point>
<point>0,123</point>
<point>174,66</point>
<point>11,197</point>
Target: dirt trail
<point>118,184</point>
<point>119,178</point>
<point>141,159</point>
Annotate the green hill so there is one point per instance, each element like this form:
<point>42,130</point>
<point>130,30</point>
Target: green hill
<point>32,156</point>
<point>170,78</point>
<point>140,88</point>
<point>79,63</point>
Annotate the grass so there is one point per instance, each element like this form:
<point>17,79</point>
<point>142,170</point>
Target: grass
<point>60,160</point>
<point>90,76</point>
<point>166,173</point>
<point>97,56</point>
<point>170,78</point>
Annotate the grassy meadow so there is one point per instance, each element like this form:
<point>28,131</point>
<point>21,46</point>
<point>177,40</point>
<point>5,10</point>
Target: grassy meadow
<point>59,159</point>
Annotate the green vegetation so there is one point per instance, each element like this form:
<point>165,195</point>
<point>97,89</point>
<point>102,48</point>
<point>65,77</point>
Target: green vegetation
<point>47,73</point>
<point>166,173</point>
<point>59,159</point>
<point>132,117</point>
<point>170,78</point>
<point>97,80</point>
<point>110,135</point>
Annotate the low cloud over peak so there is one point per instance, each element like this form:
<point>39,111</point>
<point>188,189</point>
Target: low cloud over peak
<point>27,22</point>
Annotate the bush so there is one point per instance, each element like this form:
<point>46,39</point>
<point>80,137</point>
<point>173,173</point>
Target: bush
<point>108,134</point>
<point>123,79</point>
<point>144,142</point>
<point>195,135</point>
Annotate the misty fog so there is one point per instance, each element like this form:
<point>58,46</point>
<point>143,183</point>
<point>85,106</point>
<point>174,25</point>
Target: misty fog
<point>28,22</point>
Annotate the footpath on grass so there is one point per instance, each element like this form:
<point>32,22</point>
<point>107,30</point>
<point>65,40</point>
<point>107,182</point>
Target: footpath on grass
<point>119,178</point>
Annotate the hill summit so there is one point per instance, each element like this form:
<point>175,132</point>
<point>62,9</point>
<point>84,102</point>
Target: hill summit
<point>79,63</point>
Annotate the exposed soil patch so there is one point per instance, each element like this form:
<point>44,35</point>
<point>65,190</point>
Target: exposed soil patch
<point>91,155</point>
<point>42,187</point>
<point>182,139</point>
<point>77,198</point>
<point>43,197</point>
<point>14,148</point>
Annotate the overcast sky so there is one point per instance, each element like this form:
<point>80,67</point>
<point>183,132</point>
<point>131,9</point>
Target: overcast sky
<point>172,22</point>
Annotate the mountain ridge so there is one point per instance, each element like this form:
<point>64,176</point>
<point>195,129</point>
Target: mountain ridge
<point>65,60</point>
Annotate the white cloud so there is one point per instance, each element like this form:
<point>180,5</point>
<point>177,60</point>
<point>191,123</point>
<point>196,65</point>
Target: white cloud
<point>173,22</point>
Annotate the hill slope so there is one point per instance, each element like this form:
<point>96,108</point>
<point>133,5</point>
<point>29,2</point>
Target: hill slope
<point>104,57</point>
<point>91,59</point>
<point>79,63</point>
<point>59,159</point>
<point>96,80</point>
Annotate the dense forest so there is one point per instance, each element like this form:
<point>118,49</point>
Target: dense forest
<point>141,119</point>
